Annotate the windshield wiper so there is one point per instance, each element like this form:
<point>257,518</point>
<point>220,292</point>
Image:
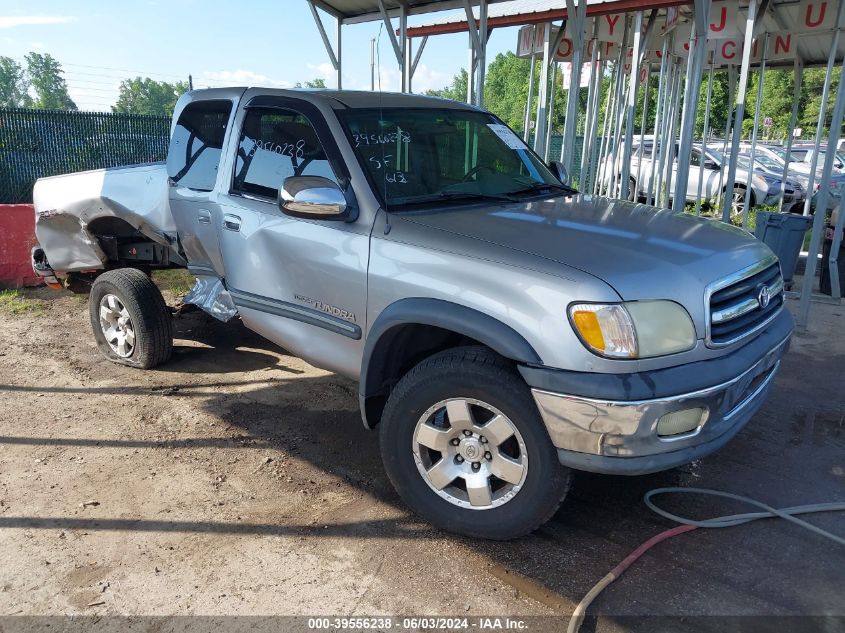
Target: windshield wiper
<point>472,195</point>
<point>459,196</point>
<point>539,187</point>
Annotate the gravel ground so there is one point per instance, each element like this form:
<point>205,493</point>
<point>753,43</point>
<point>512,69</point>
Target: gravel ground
<point>239,480</point>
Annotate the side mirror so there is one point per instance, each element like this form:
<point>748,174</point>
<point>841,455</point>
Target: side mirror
<point>560,171</point>
<point>711,164</point>
<point>312,197</point>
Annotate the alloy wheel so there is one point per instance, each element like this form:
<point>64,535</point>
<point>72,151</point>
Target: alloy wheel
<point>470,453</point>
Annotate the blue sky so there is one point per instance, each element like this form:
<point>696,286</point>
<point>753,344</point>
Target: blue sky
<point>263,42</point>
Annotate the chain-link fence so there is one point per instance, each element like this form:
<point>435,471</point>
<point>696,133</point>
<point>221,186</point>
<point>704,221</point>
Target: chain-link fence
<point>38,143</point>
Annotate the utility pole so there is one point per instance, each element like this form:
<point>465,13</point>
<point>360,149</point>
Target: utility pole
<point>373,64</point>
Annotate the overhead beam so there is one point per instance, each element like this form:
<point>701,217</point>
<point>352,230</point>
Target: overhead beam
<point>552,15</point>
<point>334,57</point>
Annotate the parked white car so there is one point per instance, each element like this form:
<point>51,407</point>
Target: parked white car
<point>765,189</point>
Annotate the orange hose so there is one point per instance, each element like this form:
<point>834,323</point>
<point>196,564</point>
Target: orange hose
<point>581,610</point>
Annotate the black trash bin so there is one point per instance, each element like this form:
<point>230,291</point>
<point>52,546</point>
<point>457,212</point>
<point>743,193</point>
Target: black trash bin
<point>784,234</point>
<point>824,282</point>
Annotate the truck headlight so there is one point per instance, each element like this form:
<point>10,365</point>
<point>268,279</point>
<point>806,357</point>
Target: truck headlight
<point>636,329</point>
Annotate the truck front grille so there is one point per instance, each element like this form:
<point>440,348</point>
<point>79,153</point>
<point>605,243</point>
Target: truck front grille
<point>743,304</point>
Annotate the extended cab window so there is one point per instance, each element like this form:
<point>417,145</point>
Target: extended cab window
<point>276,144</point>
<point>197,144</point>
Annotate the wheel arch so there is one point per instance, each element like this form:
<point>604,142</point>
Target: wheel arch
<point>412,329</point>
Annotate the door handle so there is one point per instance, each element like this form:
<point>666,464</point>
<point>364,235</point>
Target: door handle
<point>204,216</point>
<point>231,222</point>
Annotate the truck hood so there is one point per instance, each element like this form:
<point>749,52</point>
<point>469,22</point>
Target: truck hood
<point>641,251</point>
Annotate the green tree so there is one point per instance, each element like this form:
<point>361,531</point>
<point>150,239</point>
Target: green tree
<point>47,82</point>
<point>457,90</point>
<point>148,96</point>
<point>14,85</point>
<point>506,88</point>
<point>319,82</point>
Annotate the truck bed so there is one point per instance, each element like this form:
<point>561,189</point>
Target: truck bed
<point>71,209</point>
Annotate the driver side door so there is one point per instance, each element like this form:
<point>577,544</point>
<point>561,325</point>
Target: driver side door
<point>300,282</point>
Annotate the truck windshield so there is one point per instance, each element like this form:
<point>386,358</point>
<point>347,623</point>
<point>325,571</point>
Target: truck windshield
<point>427,155</point>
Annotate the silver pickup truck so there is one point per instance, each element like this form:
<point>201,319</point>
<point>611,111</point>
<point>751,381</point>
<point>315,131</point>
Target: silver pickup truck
<point>503,328</point>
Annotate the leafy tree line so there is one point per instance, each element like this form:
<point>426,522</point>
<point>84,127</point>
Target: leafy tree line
<point>36,84</point>
<point>39,83</point>
<point>506,92</point>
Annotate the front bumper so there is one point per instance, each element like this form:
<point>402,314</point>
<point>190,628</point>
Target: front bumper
<point>619,436</point>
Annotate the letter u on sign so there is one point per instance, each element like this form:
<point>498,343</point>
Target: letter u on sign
<point>816,15</point>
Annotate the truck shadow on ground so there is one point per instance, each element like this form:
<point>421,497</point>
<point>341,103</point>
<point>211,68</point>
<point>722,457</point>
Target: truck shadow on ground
<point>601,520</point>
<point>220,348</point>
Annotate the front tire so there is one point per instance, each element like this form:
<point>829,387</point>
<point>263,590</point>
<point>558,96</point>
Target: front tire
<point>130,319</point>
<point>464,446</point>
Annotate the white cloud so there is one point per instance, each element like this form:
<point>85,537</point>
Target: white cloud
<point>37,46</point>
<point>11,21</point>
<point>426,78</point>
<point>241,78</point>
<point>99,100</point>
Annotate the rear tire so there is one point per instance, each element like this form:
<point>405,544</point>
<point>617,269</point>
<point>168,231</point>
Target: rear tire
<point>130,319</point>
<point>476,408</point>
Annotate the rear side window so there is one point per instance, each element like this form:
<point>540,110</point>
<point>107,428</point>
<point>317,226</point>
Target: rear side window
<point>197,144</point>
<point>276,144</point>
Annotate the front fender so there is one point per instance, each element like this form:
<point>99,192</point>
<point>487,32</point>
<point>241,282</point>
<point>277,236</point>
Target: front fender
<point>485,329</point>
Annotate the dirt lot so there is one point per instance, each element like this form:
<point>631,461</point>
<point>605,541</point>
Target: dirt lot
<point>239,480</point>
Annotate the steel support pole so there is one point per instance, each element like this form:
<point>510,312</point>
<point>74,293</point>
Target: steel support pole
<point>833,259</point>
<point>403,37</point>
<point>740,109</point>
<point>793,119</point>
<point>658,116</point>
<point>551,116</point>
<point>620,110</point>
<point>633,90</point>
<point>821,208</point>
<point>662,139</point>
<point>695,64</point>
<point>334,58</point>
<point>576,18</point>
<point>601,172</point>
<point>643,124</point>
<point>339,67</point>
<point>831,62</point>
<point>591,114</point>
<point>671,154</point>
<point>482,53</point>
<point>704,134</point>
<point>526,132</point>
<point>761,77</point>
<point>728,127</point>
<point>543,95</point>
<point>470,70</point>
<point>373,64</point>
<point>667,143</point>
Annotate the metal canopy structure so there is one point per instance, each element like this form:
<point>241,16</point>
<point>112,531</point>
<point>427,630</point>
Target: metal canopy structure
<point>630,42</point>
<point>358,11</point>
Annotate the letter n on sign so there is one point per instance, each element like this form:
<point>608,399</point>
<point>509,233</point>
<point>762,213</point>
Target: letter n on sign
<point>781,46</point>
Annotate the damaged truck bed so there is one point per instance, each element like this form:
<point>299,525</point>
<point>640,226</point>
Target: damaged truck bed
<point>91,220</point>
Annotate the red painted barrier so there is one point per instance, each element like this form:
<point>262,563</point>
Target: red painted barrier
<point>17,237</point>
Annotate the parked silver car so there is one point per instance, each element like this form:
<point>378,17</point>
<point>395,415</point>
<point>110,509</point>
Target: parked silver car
<point>765,189</point>
<point>503,328</point>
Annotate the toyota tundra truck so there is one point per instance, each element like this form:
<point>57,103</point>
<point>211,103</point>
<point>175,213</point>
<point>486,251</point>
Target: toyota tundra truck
<point>503,328</point>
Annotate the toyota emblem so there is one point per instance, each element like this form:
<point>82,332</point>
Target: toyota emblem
<point>764,296</point>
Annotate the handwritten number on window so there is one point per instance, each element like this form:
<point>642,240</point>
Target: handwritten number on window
<point>294,150</point>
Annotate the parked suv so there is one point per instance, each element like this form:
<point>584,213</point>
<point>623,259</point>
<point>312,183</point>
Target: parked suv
<point>503,328</point>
